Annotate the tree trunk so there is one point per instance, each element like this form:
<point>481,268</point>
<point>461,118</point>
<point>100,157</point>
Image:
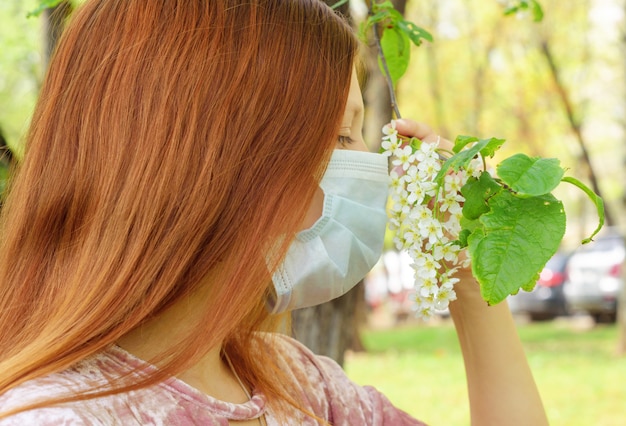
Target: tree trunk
<point>331,328</point>
<point>377,101</point>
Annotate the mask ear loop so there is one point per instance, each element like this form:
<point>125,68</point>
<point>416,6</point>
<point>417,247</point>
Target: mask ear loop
<point>277,303</point>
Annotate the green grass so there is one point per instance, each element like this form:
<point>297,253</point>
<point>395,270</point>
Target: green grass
<point>420,369</point>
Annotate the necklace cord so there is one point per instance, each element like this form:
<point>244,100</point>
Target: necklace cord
<point>261,418</point>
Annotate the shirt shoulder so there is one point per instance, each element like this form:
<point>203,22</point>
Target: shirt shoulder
<point>162,404</point>
<point>54,385</point>
<point>46,417</point>
<point>330,394</point>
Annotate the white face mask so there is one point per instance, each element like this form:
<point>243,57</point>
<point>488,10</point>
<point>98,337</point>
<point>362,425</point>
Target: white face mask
<point>328,259</point>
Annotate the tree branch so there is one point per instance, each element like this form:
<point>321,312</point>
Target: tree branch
<point>381,55</point>
<point>575,125</point>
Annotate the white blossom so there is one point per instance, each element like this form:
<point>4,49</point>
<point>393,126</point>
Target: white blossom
<point>404,157</point>
<point>390,140</point>
<point>426,215</point>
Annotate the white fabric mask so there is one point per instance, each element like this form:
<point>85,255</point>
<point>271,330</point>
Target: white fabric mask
<point>328,259</point>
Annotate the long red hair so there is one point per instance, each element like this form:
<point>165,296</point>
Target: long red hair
<point>170,137</point>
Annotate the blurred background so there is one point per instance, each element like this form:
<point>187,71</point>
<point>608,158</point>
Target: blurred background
<point>554,88</point>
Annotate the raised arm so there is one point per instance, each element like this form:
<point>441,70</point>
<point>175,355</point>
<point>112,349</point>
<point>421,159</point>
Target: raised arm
<point>500,384</point>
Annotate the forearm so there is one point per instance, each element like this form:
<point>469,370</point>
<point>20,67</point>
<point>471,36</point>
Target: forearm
<point>500,384</point>
<point>501,387</point>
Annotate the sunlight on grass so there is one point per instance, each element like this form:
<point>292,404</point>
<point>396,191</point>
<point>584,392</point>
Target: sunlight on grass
<point>420,369</point>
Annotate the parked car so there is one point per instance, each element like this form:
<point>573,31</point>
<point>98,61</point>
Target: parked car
<point>594,277</point>
<point>546,301</point>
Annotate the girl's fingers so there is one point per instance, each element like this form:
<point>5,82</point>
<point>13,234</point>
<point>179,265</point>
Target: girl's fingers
<point>421,131</point>
<point>412,128</point>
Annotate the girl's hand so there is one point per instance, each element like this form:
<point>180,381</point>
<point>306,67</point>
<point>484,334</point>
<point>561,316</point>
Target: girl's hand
<point>422,132</point>
<point>468,290</point>
<point>501,386</point>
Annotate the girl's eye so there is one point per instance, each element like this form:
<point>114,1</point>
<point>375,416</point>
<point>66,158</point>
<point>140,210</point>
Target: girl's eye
<point>345,140</point>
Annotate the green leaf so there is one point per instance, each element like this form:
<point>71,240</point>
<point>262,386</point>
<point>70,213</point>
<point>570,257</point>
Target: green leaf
<point>397,50</point>
<point>460,160</point>
<point>43,5</point>
<point>416,34</point>
<point>518,237</point>
<point>470,224</point>
<point>461,141</point>
<point>490,148</point>
<point>510,10</point>
<point>415,144</point>
<point>530,176</point>
<point>386,5</point>
<point>377,17</point>
<point>384,11</point>
<point>463,235</point>
<point>395,17</point>
<point>477,192</point>
<point>536,10</point>
<point>531,284</point>
<point>595,199</point>
<point>339,4</point>
<point>4,178</point>
<point>532,5</point>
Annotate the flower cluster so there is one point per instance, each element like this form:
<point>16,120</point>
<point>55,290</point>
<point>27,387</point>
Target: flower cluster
<point>425,214</point>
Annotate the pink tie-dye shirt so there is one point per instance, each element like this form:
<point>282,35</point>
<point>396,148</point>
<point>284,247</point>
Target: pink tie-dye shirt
<point>327,392</point>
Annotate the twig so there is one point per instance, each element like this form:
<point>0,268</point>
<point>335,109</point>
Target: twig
<point>392,93</point>
<point>381,55</point>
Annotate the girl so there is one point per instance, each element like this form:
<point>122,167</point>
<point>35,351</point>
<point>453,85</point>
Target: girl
<point>194,169</point>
